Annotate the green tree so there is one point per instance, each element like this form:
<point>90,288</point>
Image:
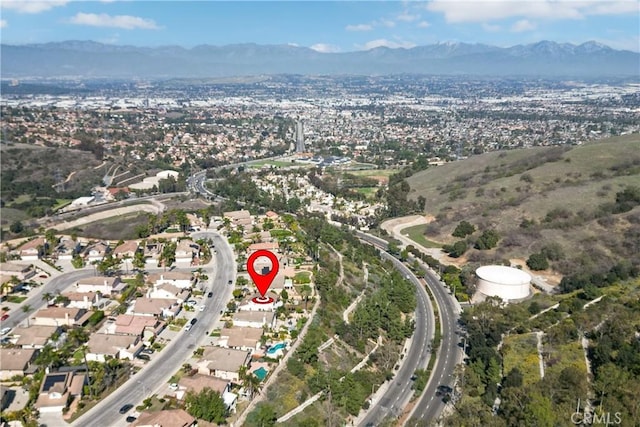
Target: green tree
<point>537,261</point>
<point>488,240</point>
<point>206,405</point>
<point>263,416</point>
<point>16,227</point>
<point>463,230</point>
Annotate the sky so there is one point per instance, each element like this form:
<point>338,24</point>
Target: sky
<point>325,26</point>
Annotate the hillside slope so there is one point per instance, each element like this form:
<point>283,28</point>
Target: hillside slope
<point>545,196</point>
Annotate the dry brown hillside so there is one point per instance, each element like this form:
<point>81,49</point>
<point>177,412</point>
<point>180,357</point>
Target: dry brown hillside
<point>559,197</point>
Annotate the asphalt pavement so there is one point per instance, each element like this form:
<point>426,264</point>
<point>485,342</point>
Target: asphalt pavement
<point>158,371</point>
<point>399,392</point>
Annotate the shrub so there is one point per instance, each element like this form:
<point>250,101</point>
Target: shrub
<point>538,261</point>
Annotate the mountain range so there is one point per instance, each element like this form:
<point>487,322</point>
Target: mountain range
<point>87,59</point>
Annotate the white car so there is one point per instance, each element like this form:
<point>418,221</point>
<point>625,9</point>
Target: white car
<point>5,331</point>
<point>173,386</point>
<point>201,308</point>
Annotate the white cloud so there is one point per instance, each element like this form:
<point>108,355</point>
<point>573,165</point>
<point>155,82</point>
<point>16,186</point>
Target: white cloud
<point>27,6</point>
<point>126,22</point>
<point>359,27</point>
<point>3,23</point>
<point>386,43</point>
<point>523,25</point>
<point>325,48</point>
<point>407,17</point>
<point>386,23</point>
<point>491,28</point>
<point>486,11</point>
<point>423,24</point>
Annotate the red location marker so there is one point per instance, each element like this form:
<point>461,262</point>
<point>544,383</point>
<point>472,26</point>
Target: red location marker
<point>263,281</point>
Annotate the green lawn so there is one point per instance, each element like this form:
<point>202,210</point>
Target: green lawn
<point>416,233</point>
<point>367,191</point>
<point>15,299</point>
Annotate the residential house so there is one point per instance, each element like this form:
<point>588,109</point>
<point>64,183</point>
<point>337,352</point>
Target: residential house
<point>34,336</point>
<point>152,254</point>
<point>246,339</point>
<point>33,249</point>
<point>186,252</point>
<point>177,278</point>
<point>248,303</point>
<point>21,272</point>
<point>67,248</point>
<point>199,382</point>
<point>165,418</point>
<point>168,291</point>
<point>254,319</point>
<point>157,307</point>
<point>61,316</point>
<point>264,246</point>
<point>105,346</point>
<point>57,390</point>
<point>84,300</point>
<point>104,285</point>
<point>96,252</point>
<point>16,361</point>
<point>223,363</point>
<point>126,250</point>
<point>144,327</point>
<point>241,217</point>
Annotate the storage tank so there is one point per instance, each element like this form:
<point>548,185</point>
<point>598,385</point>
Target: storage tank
<point>507,283</point>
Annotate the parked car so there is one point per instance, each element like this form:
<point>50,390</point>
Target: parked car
<point>210,294</point>
<point>5,331</point>
<point>147,350</point>
<point>193,321</point>
<point>131,419</point>
<point>4,316</point>
<point>126,408</point>
<point>143,356</point>
<point>173,386</point>
<point>201,308</point>
<point>188,327</point>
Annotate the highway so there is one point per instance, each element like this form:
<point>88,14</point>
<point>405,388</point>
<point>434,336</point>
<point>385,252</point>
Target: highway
<point>158,371</point>
<point>398,394</point>
<point>429,406</point>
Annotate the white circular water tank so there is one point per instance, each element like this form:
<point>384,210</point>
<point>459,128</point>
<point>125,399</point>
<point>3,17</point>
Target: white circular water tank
<point>507,283</point>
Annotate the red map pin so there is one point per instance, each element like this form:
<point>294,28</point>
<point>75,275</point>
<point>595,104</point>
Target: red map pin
<point>263,281</point>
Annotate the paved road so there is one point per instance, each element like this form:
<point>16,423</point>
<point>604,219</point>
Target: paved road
<point>398,394</point>
<point>55,285</point>
<point>170,359</point>
<point>429,406</point>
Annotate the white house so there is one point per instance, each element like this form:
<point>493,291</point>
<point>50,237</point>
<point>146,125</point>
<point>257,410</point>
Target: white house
<point>103,346</point>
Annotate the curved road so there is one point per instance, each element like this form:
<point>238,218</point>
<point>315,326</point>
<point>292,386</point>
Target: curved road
<point>158,371</point>
<point>398,394</point>
<point>54,286</point>
<point>429,406</point>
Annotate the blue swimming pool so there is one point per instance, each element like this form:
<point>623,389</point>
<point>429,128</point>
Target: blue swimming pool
<point>261,373</point>
<point>274,348</point>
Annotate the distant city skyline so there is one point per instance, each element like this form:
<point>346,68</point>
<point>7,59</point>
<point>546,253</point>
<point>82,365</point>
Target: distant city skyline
<point>325,26</point>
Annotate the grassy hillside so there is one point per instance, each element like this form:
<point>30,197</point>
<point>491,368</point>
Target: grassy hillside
<point>536,197</point>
